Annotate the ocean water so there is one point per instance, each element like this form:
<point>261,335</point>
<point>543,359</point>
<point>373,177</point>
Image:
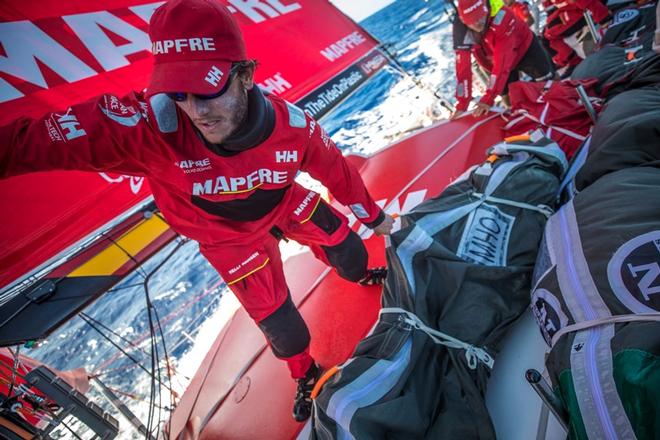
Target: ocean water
<point>189,297</point>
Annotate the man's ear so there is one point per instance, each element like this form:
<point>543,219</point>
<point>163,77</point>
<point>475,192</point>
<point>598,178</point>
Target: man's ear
<point>247,77</point>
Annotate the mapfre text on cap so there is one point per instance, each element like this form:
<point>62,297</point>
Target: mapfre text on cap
<point>181,44</point>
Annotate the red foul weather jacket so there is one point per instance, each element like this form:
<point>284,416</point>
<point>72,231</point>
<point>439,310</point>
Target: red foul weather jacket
<point>208,193</point>
<point>498,50</point>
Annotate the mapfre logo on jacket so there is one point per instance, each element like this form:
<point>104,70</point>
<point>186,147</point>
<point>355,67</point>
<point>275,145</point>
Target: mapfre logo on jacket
<point>239,184</point>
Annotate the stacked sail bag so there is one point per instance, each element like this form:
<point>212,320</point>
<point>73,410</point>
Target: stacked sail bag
<point>627,134</point>
<point>596,298</point>
<point>459,274</point>
<point>625,59</point>
<point>554,107</point>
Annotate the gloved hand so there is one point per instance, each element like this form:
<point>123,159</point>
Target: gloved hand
<point>385,227</point>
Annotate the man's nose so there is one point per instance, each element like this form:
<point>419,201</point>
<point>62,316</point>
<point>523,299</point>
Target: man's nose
<point>199,106</point>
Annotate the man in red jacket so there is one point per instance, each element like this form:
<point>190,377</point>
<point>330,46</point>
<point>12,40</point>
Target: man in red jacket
<point>566,18</point>
<point>502,44</point>
<point>221,159</point>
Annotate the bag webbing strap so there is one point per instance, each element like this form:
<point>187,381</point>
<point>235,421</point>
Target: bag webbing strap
<point>472,354</point>
<point>603,321</point>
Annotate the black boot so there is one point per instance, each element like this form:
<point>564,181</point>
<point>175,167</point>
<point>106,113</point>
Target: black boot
<point>302,405</point>
<point>374,276</point>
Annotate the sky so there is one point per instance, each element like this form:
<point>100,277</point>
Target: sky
<point>358,10</point>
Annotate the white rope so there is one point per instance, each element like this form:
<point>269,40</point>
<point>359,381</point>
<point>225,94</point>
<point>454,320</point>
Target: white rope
<point>604,321</point>
<point>543,209</point>
<point>526,114</point>
<point>472,354</point>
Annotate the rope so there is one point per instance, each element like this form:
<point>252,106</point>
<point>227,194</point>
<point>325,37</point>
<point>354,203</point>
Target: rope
<point>604,321</point>
<point>543,209</point>
<point>472,354</point>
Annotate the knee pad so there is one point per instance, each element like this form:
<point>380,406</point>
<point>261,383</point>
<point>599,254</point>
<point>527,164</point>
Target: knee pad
<point>286,330</point>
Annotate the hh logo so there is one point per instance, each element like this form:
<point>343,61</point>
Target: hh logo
<point>286,156</point>
<point>69,125</point>
<point>214,76</point>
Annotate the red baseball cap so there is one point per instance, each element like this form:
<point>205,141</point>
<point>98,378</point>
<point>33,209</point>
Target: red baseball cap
<point>194,43</point>
<point>471,11</point>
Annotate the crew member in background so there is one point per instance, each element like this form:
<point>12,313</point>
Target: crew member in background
<point>521,9</point>
<point>502,44</point>
<point>565,19</point>
<point>221,159</point>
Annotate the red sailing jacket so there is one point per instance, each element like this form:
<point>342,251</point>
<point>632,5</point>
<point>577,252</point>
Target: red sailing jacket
<point>210,197</point>
<point>499,50</point>
<point>565,17</point>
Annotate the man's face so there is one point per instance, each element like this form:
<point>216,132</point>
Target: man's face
<point>479,26</point>
<point>220,117</point>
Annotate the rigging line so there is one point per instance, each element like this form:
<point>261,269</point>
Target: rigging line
<point>136,362</point>
<point>151,307</point>
<point>128,286</point>
<point>168,367</point>
<point>13,372</point>
<point>10,368</point>
<point>139,269</point>
<point>129,395</point>
<point>173,314</point>
<point>100,324</point>
<point>71,430</point>
<point>155,364</point>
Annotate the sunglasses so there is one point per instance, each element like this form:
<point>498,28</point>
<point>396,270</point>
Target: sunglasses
<point>183,96</point>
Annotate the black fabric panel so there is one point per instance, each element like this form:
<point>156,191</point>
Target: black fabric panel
<point>536,63</point>
<point>615,73</point>
<point>462,36</point>
<point>256,206</point>
<point>30,316</point>
<point>325,219</point>
<point>624,28</point>
<point>376,222</point>
<point>349,257</point>
<point>286,330</point>
<point>627,134</point>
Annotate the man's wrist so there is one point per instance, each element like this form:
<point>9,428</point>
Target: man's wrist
<point>378,220</point>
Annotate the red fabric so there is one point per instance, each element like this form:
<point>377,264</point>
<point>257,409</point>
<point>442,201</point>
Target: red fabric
<point>563,19</point>
<point>193,43</point>
<point>562,108</point>
<point>464,82</point>
<point>84,138</point>
<point>472,11</point>
<point>253,270</point>
<point>503,45</point>
<point>299,364</point>
<point>72,74</point>
<point>521,9</point>
<point>599,11</point>
<point>108,52</point>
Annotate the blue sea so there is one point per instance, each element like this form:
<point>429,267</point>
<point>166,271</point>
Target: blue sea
<point>191,300</point>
